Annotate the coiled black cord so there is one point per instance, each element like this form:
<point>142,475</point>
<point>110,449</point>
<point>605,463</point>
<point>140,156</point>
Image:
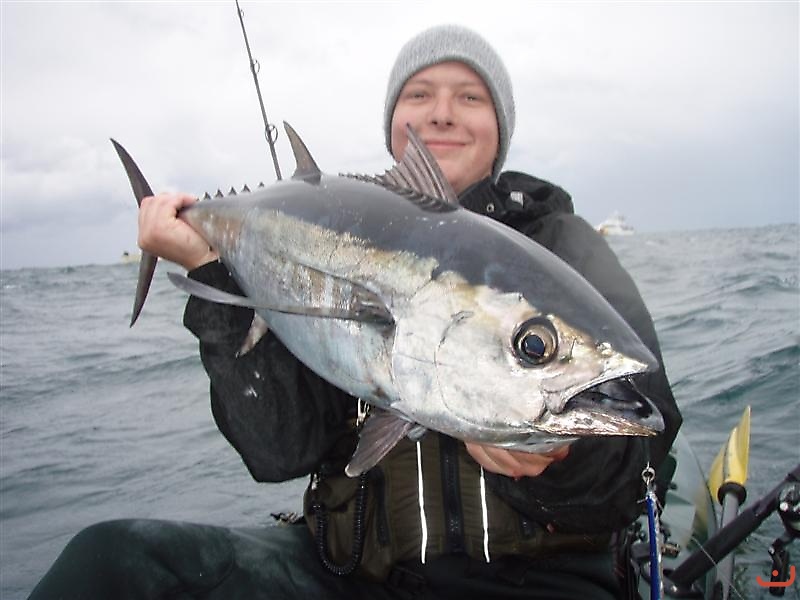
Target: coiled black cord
<point>321,533</point>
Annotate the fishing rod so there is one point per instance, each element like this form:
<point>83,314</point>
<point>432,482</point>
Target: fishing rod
<point>270,131</point>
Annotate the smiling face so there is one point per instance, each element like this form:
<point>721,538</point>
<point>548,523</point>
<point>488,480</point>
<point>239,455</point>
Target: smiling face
<point>451,109</point>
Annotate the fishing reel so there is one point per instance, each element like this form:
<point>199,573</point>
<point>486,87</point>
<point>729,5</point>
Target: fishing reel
<point>788,510</point>
<point>783,499</point>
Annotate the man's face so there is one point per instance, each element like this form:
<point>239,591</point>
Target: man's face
<point>451,109</point>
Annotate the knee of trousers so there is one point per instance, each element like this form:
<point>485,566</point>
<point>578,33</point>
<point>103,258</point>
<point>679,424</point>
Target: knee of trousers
<point>185,551</point>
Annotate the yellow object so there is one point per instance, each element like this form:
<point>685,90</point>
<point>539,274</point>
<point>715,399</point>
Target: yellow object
<point>730,466</point>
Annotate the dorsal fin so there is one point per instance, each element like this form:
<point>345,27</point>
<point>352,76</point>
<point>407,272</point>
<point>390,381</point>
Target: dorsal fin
<point>419,176</point>
<point>423,201</point>
<point>419,165</point>
<point>307,169</point>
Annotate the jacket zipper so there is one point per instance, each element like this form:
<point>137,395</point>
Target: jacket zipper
<point>451,494</point>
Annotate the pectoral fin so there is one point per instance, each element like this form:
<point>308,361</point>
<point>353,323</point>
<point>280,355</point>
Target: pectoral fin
<point>367,312</point>
<point>381,432</point>
<point>258,329</point>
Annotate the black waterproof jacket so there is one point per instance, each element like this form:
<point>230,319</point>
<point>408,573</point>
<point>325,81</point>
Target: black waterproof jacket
<point>284,420</point>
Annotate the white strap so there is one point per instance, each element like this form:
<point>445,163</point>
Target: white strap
<point>423,520</point>
<point>485,514</point>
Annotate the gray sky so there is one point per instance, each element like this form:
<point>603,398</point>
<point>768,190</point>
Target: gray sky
<point>680,115</point>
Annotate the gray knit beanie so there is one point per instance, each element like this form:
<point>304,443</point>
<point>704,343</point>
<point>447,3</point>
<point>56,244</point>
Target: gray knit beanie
<point>451,42</point>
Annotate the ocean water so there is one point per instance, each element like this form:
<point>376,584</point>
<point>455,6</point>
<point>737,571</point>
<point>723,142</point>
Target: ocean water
<point>99,421</point>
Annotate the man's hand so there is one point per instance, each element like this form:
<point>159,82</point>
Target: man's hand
<point>514,463</point>
<point>163,234</point>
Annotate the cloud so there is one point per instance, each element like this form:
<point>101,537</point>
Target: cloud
<point>65,180</point>
<point>619,102</point>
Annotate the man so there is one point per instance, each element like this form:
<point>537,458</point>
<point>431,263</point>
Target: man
<point>437,519</point>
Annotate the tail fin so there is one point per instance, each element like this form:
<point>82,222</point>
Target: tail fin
<point>147,265</point>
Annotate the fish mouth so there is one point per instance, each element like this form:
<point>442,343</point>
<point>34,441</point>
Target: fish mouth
<point>608,408</point>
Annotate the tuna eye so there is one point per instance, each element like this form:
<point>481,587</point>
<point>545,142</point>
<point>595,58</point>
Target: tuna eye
<point>536,342</point>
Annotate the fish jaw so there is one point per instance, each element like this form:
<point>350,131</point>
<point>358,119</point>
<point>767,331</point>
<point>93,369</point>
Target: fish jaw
<point>585,362</point>
<point>615,408</point>
<point>600,405</point>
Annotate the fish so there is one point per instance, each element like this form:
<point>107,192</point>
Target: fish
<point>436,317</point>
